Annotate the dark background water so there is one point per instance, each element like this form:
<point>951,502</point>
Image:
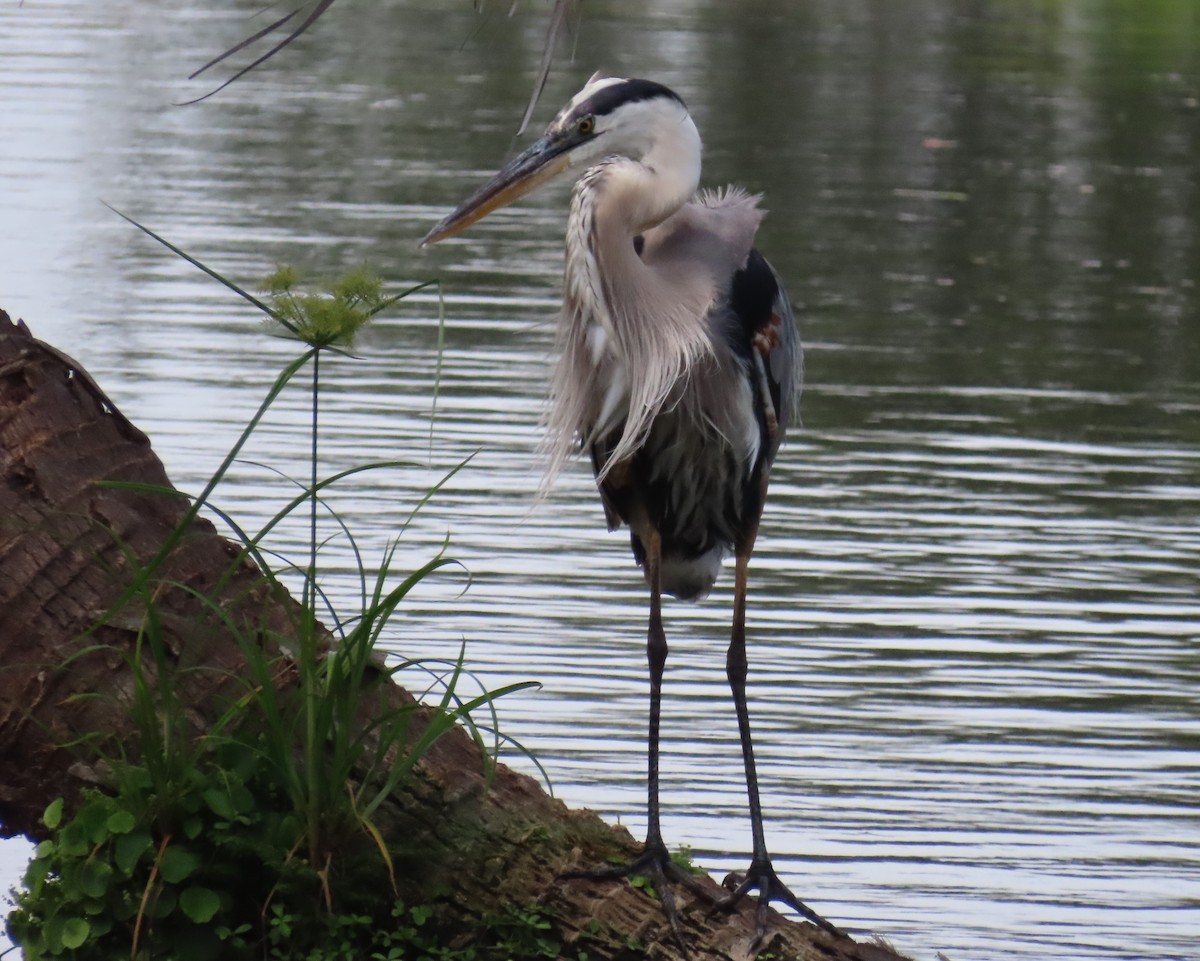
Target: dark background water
<point>974,620</point>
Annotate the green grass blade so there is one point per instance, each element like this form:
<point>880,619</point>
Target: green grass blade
<point>183,254</point>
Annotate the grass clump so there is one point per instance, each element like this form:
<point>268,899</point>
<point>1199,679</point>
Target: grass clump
<point>258,837</point>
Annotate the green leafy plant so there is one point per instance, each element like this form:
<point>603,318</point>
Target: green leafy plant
<point>212,878</point>
<point>526,933</point>
<point>124,878</point>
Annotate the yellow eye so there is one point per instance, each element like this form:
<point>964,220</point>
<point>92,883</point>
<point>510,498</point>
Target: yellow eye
<point>586,125</point>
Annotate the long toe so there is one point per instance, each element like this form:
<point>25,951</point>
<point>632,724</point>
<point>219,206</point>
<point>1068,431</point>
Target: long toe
<point>762,877</point>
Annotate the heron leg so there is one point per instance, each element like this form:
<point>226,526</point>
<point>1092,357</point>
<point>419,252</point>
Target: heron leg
<point>656,658</point>
<point>761,874</point>
<point>655,861</point>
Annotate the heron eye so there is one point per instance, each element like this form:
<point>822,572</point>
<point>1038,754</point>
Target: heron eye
<point>586,125</point>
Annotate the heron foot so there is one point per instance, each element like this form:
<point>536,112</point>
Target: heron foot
<point>654,864</point>
<point>761,876</point>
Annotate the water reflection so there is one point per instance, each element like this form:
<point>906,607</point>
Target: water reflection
<point>974,619</point>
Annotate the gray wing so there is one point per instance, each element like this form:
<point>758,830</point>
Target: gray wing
<point>710,243</point>
<point>705,241</point>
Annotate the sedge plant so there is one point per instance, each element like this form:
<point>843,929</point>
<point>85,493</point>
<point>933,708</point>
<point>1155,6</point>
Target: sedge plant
<point>326,753</point>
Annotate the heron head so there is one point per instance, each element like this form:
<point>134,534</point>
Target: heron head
<point>610,115</point>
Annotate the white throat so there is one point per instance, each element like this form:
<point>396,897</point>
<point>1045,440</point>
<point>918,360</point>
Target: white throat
<point>672,167</point>
<point>650,187</point>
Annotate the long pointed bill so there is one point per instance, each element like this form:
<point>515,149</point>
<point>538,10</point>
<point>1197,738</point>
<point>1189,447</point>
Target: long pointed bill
<point>543,161</point>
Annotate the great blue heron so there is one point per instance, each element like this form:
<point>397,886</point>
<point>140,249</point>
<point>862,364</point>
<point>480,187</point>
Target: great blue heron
<point>679,369</point>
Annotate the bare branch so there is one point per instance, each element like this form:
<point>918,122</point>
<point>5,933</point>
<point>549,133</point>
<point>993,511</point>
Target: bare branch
<point>558,22</point>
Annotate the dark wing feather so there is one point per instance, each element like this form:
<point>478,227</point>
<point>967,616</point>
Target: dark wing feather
<point>767,335</point>
<point>767,341</point>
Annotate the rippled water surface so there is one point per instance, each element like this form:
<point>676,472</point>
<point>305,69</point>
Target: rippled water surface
<point>974,617</point>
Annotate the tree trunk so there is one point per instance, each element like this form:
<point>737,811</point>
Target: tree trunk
<point>66,543</point>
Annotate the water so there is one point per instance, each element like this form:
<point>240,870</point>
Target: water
<point>974,617</point>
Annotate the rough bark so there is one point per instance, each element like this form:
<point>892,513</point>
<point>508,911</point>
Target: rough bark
<point>66,543</point>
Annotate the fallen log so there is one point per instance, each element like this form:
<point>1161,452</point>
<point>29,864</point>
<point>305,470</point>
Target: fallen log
<point>69,544</point>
